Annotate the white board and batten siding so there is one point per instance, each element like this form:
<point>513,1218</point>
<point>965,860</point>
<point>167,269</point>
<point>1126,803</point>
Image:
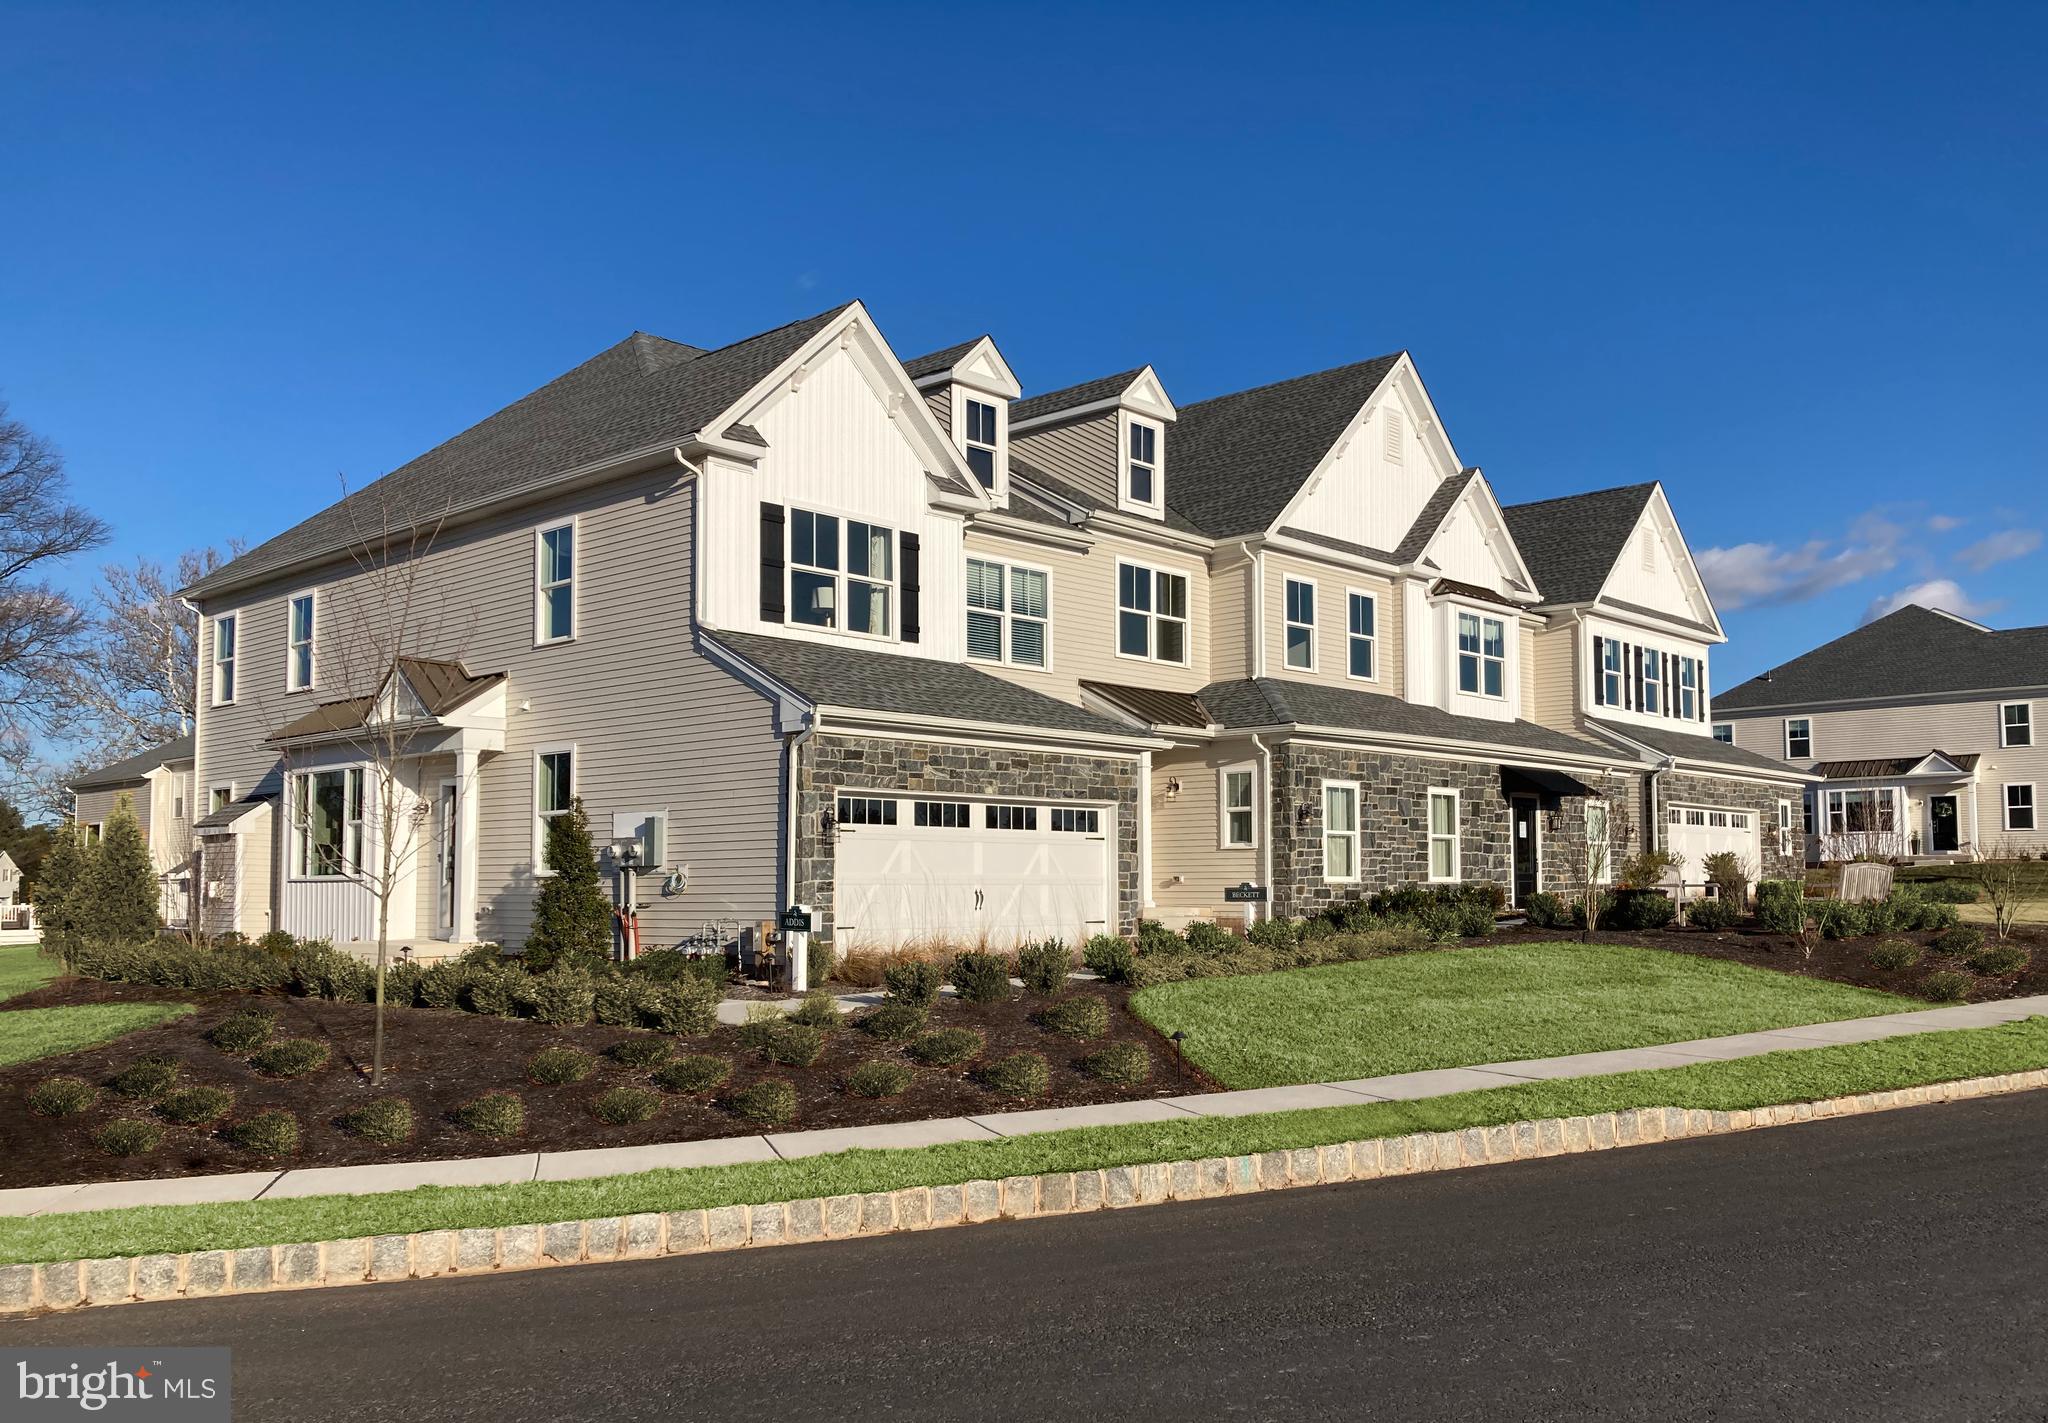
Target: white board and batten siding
<point>1377,478</point>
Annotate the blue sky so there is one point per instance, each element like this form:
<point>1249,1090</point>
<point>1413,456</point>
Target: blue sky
<point>1786,260</point>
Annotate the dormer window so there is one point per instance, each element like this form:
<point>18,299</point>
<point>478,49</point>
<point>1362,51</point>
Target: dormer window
<point>1482,655</point>
<point>978,433</point>
<point>1141,463</point>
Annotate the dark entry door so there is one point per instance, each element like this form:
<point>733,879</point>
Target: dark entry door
<point>1525,848</point>
<point>1941,813</point>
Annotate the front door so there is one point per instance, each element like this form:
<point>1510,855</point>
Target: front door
<point>445,815</point>
<point>1526,850</point>
<point>1941,821</point>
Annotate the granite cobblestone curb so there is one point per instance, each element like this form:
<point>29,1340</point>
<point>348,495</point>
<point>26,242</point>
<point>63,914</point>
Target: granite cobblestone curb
<point>433,1254</point>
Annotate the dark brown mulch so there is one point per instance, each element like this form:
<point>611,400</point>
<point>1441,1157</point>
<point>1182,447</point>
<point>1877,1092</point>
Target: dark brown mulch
<point>440,1059</point>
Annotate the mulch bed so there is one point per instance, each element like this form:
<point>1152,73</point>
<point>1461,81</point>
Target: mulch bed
<point>439,1059</point>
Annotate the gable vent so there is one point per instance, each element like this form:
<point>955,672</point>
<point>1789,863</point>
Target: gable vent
<point>1395,444</point>
<point>1649,551</point>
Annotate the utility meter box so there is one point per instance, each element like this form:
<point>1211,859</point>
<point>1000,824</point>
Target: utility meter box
<point>647,829</point>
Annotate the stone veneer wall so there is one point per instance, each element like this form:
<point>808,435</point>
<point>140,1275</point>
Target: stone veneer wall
<point>1759,798</point>
<point>910,767</point>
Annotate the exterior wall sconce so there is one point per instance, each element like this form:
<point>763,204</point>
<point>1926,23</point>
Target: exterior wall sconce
<point>1173,787</point>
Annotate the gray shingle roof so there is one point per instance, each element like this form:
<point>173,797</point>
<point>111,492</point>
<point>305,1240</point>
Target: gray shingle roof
<point>1073,397</point>
<point>1270,701</point>
<point>868,680</point>
<point>1383,555</point>
<point>932,362</point>
<point>1691,746</point>
<point>1571,544</point>
<point>134,768</point>
<point>641,392</point>
<point>1915,651</point>
<point>1234,462</point>
<point>1433,515</point>
<point>231,812</point>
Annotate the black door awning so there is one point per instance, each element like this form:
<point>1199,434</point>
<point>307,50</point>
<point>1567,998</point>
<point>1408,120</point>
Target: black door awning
<point>1550,785</point>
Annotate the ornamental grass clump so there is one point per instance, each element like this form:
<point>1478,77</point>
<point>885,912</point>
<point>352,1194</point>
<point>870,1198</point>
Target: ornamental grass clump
<point>388,1121</point>
<point>1021,1074</point>
<point>558,1066</point>
<point>271,1133</point>
<point>948,1047</point>
<point>243,1031</point>
<point>878,1079</point>
<point>1080,1016</point>
<point>493,1114</point>
<point>623,1106</point>
<point>769,1102</point>
<point>639,1052</point>
<point>696,1072</point>
<point>61,1096</point>
<point>1119,1064</point>
<point>145,1080</point>
<point>196,1106</point>
<point>128,1136</point>
<point>291,1057</point>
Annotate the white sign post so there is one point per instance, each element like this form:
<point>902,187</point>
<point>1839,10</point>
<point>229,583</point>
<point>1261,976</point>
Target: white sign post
<point>796,943</point>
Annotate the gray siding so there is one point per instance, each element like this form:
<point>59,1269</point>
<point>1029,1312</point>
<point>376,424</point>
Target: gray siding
<point>1082,452</point>
<point>96,805</point>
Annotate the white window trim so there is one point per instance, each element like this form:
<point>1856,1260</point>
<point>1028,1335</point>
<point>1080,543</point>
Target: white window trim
<point>1788,738</point>
<point>1355,833</point>
<point>1315,610</point>
<point>213,663</point>
<point>1152,618</point>
<point>1000,492</point>
<point>1838,796</point>
<point>1009,600</point>
<point>540,866</point>
<point>2004,728</point>
<point>1784,816</point>
<point>1606,841</point>
<point>1125,420</point>
<point>1456,837</point>
<point>1223,806</point>
<point>574,525</point>
<point>1349,636</point>
<point>1720,726</point>
<point>841,577</point>
<point>1458,654</point>
<point>229,787</point>
<point>298,829</point>
<point>291,661</point>
<point>2033,806</point>
<point>1653,681</point>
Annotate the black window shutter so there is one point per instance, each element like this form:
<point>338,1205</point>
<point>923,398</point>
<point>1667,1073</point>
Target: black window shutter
<point>1599,671</point>
<point>1664,664</point>
<point>1639,678</point>
<point>1628,677</point>
<point>772,545</point>
<point>912,586</point>
<point>1701,705</point>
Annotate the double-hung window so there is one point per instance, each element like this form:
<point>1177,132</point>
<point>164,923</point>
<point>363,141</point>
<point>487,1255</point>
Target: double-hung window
<point>1798,738</point>
<point>979,430</point>
<point>1443,835</point>
<point>1724,732</point>
<point>2016,724</point>
<point>1482,655</point>
<point>1152,613</point>
<point>1141,464</point>
<point>1610,673</point>
<point>1340,830</point>
<point>1597,853</point>
<point>1363,618</point>
<point>555,584</point>
<point>327,830</point>
<point>1301,625</point>
<point>224,632</point>
<point>1688,688</point>
<point>2019,807</point>
<point>554,791</point>
<point>298,667</point>
<point>1236,799</point>
<point>825,591</point>
<point>1653,682</point>
<point>1008,608</point>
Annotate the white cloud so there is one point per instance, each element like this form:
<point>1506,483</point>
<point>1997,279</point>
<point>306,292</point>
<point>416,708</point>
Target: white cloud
<point>2003,545</point>
<point>1758,574</point>
<point>1943,523</point>
<point>1942,593</point>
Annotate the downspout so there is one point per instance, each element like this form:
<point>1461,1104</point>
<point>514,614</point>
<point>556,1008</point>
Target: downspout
<point>1259,613</point>
<point>1266,840</point>
<point>1145,898</point>
<point>1654,839</point>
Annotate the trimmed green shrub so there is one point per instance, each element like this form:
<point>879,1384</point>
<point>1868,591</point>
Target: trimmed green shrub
<point>196,1106</point>
<point>1781,905</point>
<point>687,1008</point>
<point>1946,891</point>
<point>622,1002</point>
<point>1891,955</point>
<point>493,1114</point>
<point>61,1096</point>
<point>572,917</point>
<point>319,970</point>
<point>401,983</point>
<point>639,1052</point>
<point>1044,966</point>
<point>622,1106</point>
<point>128,1136</point>
<point>673,965</point>
<point>1946,986</point>
<point>1155,938</point>
<point>1712,914</point>
<point>271,1133</point>
<point>878,1079</point>
<point>146,1079</point>
<point>1278,935</point>
<point>1109,957</point>
<point>1963,940</point>
<point>121,892</point>
<point>792,1044</point>
<point>1937,914</point>
<point>1547,911</point>
<point>388,1121</point>
<point>817,1011</point>
<point>1640,909</point>
<point>948,1047</point>
<point>173,963</point>
<point>563,997</point>
<point>697,1072</point>
<point>820,959</point>
<point>493,992</point>
<point>1205,937</point>
<point>441,984</point>
<point>1080,1016</point>
<point>291,1057</point>
<point>980,978</point>
<point>242,1032</point>
<point>1997,960</point>
<point>1021,1074</point>
<point>768,1102</point>
<point>914,981</point>
<point>557,1066</point>
<point>1119,1064</point>
<point>892,1022</point>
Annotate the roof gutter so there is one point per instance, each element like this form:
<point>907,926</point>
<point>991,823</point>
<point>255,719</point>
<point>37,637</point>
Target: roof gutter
<point>1057,735</point>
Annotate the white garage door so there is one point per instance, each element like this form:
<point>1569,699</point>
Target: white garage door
<point>913,870</point>
<point>1697,831</point>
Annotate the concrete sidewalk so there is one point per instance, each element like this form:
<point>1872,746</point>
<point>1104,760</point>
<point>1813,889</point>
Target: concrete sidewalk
<point>724,1151</point>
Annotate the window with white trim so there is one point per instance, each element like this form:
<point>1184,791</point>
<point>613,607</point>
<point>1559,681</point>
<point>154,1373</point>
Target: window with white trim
<point>1152,613</point>
<point>1141,463</point>
<point>1724,732</point>
<point>979,439</point>
<point>866,810</point>
<point>1784,816</point>
<point>1482,655</point>
<point>1234,798</point>
<point>1688,691</point>
<point>1300,638</point>
<point>2016,724</point>
<point>943,814</point>
<point>1798,738</point>
<point>554,583</point>
<point>1610,673</point>
<point>225,628</point>
<point>1362,621</point>
<point>1443,835</point>
<point>1340,830</point>
<point>1863,811</point>
<point>1010,817</point>
<point>1009,608</point>
<point>298,667</point>
<point>219,798</point>
<point>1653,682</point>
<point>2019,806</point>
<point>327,823</point>
<point>554,792</point>
<point>1077,822</point>
<point>853,595</point>
<point>1598,853</point>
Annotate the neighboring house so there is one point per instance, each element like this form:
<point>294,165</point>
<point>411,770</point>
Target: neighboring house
<point>10,879</point>
<point>1924,729</point>
<point>157,784</point>
<point>808,624</point>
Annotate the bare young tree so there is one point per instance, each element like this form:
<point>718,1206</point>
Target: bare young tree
<point>1591,862</point>
<point>2009,882</point>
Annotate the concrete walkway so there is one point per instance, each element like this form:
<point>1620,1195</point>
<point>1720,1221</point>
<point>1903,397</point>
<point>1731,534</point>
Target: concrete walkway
<point>725,1151</point>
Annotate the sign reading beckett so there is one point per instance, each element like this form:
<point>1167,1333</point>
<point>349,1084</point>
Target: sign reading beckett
<point>168,1385</point>
<point>1244,892</point>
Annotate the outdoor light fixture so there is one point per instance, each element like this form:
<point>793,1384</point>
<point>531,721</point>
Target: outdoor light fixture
<point>1172,787</point>
<point>1301,815</point>
<point>825,819</point>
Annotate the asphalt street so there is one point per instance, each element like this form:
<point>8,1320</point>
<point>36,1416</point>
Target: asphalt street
<point>1892,1266</point>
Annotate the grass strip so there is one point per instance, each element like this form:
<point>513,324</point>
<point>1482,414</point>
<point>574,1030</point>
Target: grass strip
<point>23,969</point>
<point>1770,1080</point>
<point>1491,1003</point>
<point>29,1033</point>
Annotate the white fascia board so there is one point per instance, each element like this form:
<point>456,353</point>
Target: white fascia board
<point>981,368</point>
<point>1000,525</point>
<point>1352,430</point>
<point>1439,749</point>
<point>1323,553</point>
<point>792,709</point>
<point>985,733</point>
<point>1648,621</point>
<point>1148,531</point>
<point>1145,396</point>
<point>1657,511</point>
<point>1691,765</point>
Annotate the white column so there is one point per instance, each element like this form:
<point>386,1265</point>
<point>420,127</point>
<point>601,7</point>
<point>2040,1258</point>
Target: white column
<point>1145,829</point>
<point>466,791</point>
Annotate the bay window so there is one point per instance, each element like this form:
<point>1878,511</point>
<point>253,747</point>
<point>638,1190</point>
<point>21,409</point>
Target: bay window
<point>1482,655</point>
<point>1008,612</point>
<point>1152,613</point>
<point>327,823</point>
<point>830,587</point>
<point>1863,811</point>
<point>1340,830</point>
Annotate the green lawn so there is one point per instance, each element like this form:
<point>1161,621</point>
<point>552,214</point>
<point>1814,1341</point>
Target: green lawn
<point>1716,1086</point>
<point>1496,1003</point>
<point>24,969</point>
<point>29,1033</point>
